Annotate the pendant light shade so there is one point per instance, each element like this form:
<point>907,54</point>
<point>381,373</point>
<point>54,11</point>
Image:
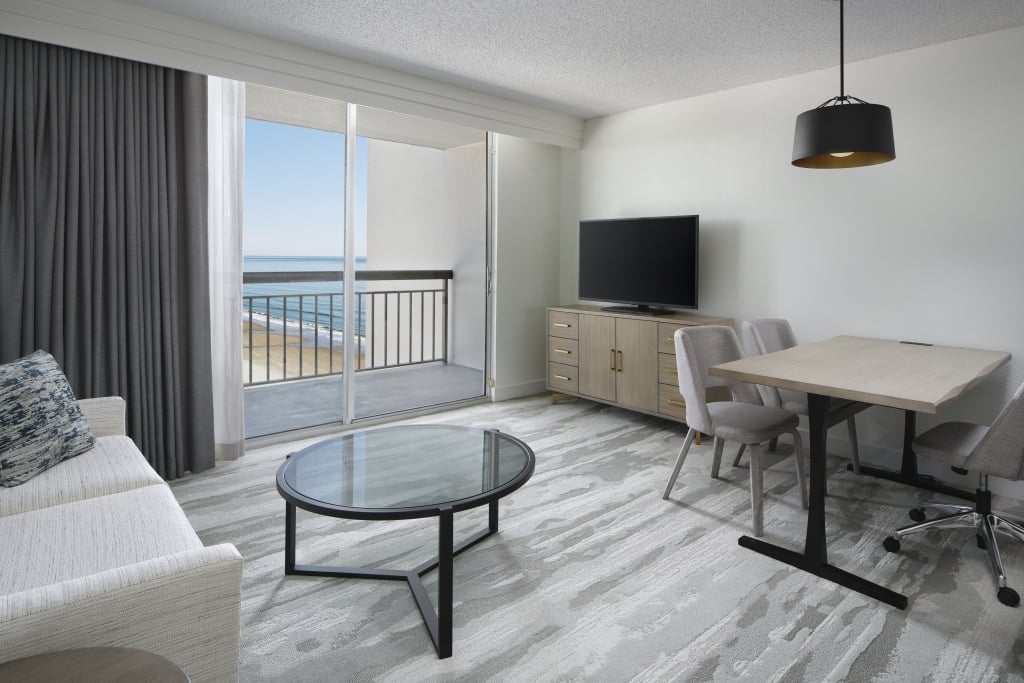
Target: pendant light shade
<point>845,131</point>
<point>844,136</point>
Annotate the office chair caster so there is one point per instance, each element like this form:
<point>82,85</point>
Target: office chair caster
<point>1009,597</point>
<point>917,514</point>
<point>892,544</point>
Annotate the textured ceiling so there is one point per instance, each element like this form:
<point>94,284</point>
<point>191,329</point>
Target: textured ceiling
<point>595,57</point>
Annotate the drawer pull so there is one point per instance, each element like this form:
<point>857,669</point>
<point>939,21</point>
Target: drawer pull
<point>563,378</point>
<point>675,403</point>
<point>561,350</point>
<point>562,325</point>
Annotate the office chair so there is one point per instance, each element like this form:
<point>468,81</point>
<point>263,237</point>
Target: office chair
<point>998,451</point>
<point>744,419</point>
<point>767,335</point>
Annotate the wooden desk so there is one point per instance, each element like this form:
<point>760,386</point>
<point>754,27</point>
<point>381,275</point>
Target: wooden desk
<point>912,377</point>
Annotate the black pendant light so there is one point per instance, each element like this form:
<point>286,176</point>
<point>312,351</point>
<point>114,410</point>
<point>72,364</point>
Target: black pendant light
<point>844,131</point>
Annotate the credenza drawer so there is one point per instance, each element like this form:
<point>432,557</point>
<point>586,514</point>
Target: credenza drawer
<point>667,371</point>
<point>670,402</point>
<point>666,337</point>
<point>564,351</point>
<point>563,377</point>
<point>565,325</point>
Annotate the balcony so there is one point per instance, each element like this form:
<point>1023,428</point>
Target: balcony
<point>293,347</point>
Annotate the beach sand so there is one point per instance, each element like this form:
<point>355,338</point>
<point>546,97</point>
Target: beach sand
<point>272,357</point>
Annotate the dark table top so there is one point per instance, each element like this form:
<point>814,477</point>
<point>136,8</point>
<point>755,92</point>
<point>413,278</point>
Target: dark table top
<point>405,472</point>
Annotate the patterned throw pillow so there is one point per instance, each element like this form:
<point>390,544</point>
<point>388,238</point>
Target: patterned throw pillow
<point>40,422</point>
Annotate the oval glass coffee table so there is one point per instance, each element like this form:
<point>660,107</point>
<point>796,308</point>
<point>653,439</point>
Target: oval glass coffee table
<point>405,472</point>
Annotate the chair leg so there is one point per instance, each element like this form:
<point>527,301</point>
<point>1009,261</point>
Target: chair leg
<point>679,461</point>
<point>801,475</point>
<point>971,520</point>
<point>757,489</point>
<point>851,428</point>
<point>739,454</point>
<point>993,551</point>
<point>1006,526</point>
<point>716,462</point>
<point>947,508</point>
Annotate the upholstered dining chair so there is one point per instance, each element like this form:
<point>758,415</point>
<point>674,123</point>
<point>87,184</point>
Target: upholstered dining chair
<point>998,451</point>
<point>766,335</point>
<point>744,419</point>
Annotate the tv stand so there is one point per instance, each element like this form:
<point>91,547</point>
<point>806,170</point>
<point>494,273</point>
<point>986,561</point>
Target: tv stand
<point>639,309</point>
<point>625,359</point>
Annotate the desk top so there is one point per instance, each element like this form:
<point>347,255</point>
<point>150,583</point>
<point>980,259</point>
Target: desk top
<point>878,371</point>
<point>405,472</point>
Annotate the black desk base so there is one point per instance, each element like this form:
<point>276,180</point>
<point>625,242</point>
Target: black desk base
<point>814,558</point>
<point>825,571</point>
<point>439,623</point>
<point>907,473</point>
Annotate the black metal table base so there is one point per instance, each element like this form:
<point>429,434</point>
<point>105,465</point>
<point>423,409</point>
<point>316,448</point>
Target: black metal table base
<point>439,622</point>
<point>907,473</point>
<point>825,571</point>
<point>814,558</point>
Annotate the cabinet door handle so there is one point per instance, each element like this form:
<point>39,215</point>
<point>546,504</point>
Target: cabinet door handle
<point>613,360</point>
<point>620,361</point>
<point>563,378</point>
<point>561,351</point>
<point>562,325</point>
<point>675,403</point>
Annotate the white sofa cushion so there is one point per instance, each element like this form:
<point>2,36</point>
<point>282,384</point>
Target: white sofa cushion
<point>86,537</point>
<point>113,465</point>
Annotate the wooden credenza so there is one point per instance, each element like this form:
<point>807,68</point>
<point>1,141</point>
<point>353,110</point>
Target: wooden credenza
<point>623,359</point>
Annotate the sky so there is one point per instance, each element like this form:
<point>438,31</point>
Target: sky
<point>295,191</point>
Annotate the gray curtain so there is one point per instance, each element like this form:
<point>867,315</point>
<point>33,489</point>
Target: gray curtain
<point>103,242</point>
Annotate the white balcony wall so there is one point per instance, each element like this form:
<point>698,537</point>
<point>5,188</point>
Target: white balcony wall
<point>426,210</point>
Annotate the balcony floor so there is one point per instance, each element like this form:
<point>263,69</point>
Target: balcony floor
<point>281,407</point>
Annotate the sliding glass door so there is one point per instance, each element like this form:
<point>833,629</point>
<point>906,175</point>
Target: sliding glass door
<point>365,257</point>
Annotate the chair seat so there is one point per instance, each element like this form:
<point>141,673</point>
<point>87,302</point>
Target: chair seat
<point>951,443</point>
<point>749,422</point>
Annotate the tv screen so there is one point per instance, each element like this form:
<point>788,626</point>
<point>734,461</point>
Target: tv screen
<point>643,262</point>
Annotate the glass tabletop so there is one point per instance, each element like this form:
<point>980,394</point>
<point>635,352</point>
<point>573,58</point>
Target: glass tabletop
<point>405,471</point>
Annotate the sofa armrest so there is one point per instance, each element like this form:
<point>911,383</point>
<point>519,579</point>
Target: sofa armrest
<point>105,415</point>
<point>184,607</point>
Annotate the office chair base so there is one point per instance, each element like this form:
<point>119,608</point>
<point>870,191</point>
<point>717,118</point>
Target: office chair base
<point>985,525</point>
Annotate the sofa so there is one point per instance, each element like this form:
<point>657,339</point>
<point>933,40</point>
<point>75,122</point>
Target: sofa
<point>97,552</point>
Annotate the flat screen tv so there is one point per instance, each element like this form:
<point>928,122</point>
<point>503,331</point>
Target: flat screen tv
<point>649,264</point>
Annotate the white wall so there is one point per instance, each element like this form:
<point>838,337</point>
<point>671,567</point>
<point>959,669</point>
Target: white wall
<point>929,247</point>
<point>527,214</point>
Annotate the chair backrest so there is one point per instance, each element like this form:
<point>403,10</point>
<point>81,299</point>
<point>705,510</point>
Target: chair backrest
<point>1001,451</point>
<point>697,349</point>
<point>766,335</point>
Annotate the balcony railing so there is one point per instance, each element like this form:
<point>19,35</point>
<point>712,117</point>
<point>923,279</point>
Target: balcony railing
<point>292,332</point>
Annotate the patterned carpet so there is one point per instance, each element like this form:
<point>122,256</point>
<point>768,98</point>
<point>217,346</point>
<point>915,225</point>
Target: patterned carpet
<point>593,577</point>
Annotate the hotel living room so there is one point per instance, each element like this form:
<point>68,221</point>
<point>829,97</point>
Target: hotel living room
<point>517,341</point>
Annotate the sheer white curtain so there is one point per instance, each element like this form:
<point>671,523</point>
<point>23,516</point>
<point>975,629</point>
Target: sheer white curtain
<point>226,157</point>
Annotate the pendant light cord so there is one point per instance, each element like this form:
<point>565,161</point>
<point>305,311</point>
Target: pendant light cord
<point>842,79</point>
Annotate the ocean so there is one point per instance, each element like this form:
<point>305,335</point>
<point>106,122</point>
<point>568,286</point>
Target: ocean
<point>324,313</point>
